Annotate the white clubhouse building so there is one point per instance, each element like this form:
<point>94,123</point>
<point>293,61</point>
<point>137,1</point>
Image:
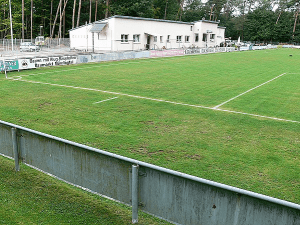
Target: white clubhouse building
<point>123,33</point>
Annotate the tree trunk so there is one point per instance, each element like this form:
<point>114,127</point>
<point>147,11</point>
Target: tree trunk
<point>278,17</point>
<point>180,9</point>
<point>31,20</point>
<point>96,9</point>
<point>73,16</point>
<point>211,11</point>
<point>23,19</point>
<point>54,23</point>
<point>51,12</point>
<point>62,13</point>
<point>60,21</point>
<point>64,22</point>
<point>90,17</point>
<point>166,10</point>
<point>181,6</point>
<point>295,23</point>
<point>106,10</point>
<point>78,16</point>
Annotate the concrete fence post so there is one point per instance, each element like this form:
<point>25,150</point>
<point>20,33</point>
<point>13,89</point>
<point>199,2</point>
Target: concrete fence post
<point>15,148</point>
<point>134,193</point>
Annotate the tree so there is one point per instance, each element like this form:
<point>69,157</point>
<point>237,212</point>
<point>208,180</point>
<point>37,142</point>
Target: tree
<point>215,7</point>
<point>78,16</point>
<point>73,15</point>
<point>107,9</point>
<point>250,19</point>
<point>22,19</point>
<point>259,25</point>
<point>194,10</point>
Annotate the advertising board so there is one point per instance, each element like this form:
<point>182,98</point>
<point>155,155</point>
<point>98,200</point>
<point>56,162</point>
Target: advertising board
<point>9,65</point>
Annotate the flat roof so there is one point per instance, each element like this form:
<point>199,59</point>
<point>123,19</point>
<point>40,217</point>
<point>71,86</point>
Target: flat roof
<point>151,19</point>
<point>148,19</point>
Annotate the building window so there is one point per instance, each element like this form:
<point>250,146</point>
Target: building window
<point>168,38</point>
<point>187,38</point>
<point>178,38</point>
<point>155,39</point>
<point>124,37</point>
<point>161,39</point>
<point>212,37</point>
<point>196,37</point>
<point>204,38</point>
<point>191,28</point>
<point>136,38</point>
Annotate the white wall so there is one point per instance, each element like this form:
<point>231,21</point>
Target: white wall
<point>82,39</point>
<point>155,28</point>
<point>202,27</point>
<point>79,38</point>
<point>102,40</point>
<point>110,37</point>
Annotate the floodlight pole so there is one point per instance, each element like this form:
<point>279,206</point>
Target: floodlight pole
<point>11,28</point>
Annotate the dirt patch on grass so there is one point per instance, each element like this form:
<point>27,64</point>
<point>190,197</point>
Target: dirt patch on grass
<point>44,105</point>
<point>195,157</point>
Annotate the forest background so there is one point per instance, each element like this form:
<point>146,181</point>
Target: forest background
<point>263,20</point>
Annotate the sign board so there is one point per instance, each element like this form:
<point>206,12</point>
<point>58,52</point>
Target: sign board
<point>9,65</point>
<point>53,61</point>
<point>25,64</point>
<point>173,52</point>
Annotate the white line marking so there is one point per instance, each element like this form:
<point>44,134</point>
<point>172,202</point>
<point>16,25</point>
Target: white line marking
<point>160,100</point>
<point>105,100</point>
<point>255,115</point>
<point>216,107</point>
<point>98,64</point>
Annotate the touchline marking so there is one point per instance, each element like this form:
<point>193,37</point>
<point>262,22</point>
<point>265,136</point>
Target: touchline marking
<point>160,100</point>
<point>216,107</point>
<point>142,60</point>
<point>111,92</point>
<point>105,100</point>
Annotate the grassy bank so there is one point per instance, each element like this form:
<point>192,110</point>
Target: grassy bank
<point>31,197</point>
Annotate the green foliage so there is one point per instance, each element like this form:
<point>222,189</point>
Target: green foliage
<point>251,20</point>
<point>193,11</point>
<point>259,25</point>
<point>136,8</point>
<point>166,9</point>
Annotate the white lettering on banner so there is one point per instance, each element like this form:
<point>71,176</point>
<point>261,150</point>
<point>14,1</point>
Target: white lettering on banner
<point>54,61</point>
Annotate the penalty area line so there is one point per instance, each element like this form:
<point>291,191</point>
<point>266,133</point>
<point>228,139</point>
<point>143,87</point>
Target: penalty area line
<point>256,115</point>
<point>160,100</point>
<point>105,100</point>
<point>216,107</point>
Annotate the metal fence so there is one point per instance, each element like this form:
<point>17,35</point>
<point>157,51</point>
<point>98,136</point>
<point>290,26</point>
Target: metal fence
<point>33,60</point>
<point>171,195</point>
<point>50,43</point>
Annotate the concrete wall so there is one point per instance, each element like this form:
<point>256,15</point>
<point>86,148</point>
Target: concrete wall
<point>36,62</point>
<point>174,196</point>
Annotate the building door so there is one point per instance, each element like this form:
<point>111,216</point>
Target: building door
<point>148,42</point>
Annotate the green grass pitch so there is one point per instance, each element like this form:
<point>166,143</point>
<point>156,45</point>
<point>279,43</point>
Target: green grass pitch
<point>232,118</point>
